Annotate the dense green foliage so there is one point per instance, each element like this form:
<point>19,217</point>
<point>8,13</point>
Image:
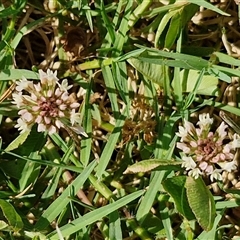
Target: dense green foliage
<point>138,68</point>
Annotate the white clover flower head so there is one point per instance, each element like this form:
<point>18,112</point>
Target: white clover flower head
<point>47,104</point>
<point>205,152</point>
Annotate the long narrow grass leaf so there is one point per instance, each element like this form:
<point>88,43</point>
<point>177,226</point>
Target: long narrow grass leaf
<point>62,201</point>
<point>110,146</point>
<point>95,215</point>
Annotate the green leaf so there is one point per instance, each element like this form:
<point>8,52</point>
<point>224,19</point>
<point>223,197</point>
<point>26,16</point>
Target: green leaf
<point>14,9</point>
<point>148,165</point>
<point>63,200</point>
<point>185,61</point>
<point>89,18</point>
<point>149,197</point>
<point>152,223</point>
<point>11,74</point>
<point>30,172</point>
<point>110,146</point>
<point>173,31</point>
<point>192,95</point>
<point>153,72</point>
<point>138,12</point>
<point>227,71</point>
<point>87,126</point>
<point>208,85</point>
<point>191,61</point>
<point>94,216</point>
<point>52,154</point>
<point>115,231</point>
<point>224,58</point>
<point>219,74</point>
<point>134,53</point>
<point>13,218</point>
<point>220,105</point>
<point>164,8</point>
<point>110,87</point>
<point>3,225</point>
<point>111,34</point>
<point>107,22</point>
<point>203,3</point>
<point>77,169</point>
<point>201,202</point>
<point>166,18</point>
<point>166,142</point>
<point>175,187</point>
<point>120,77</point>
<point>13,168</point>
<point>17,141</point>
<point>227,204</point>
<point>120,37</point>
<point>34,142</point>
<point>213,232</point>
<point>8,11</point>
<point>24,31</point>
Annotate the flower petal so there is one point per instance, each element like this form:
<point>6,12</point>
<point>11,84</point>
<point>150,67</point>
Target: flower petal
<point>204,120</point>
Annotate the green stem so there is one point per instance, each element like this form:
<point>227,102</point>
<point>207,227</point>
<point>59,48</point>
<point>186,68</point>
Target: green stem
<point>101,187</point>
<point>137,13</point>
<point>95,64</point>
<point>141,232</point>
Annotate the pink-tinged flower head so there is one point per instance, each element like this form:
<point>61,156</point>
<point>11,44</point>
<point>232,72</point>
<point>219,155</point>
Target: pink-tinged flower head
<point>47,104</point>
<point>206,152</point>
